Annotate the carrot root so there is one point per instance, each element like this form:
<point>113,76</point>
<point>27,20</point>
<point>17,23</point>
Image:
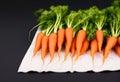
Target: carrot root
<point>38,43</point>
<point>110,44</point>
<point>81,36</point>
<point>73,48</point>
<point>61,35</point>
<point>69,38</point>
<point>84,47</point>
<point>44,47</point>
<point>52,45</point>
<point>93,48</point>
<point>99,37</point>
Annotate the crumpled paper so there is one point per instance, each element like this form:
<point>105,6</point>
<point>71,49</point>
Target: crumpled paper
<point>83,64</point>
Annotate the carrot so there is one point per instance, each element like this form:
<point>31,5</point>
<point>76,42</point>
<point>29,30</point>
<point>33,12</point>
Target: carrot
<point>61,36</point>
<point>110,44</point>
<point>117,49</point>
<point>107,39</point>
<point>38,42</point>
<point>84,47</point>
<point>93,48</point>
<point>52,45</point>
<point>81,36</point>
<point>99,37</point>
<point>118,40</point>
<point>44,47</point>
<point>73,48</point>
<point>69,38</point>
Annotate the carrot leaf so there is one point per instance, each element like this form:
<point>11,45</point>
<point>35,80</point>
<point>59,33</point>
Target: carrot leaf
<point>114,20</point>
<point>91,31</point>
<point>99,17</point>
<point>60,12</point>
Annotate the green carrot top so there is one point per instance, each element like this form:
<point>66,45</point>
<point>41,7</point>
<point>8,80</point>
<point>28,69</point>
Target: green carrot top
<point>114,20</point>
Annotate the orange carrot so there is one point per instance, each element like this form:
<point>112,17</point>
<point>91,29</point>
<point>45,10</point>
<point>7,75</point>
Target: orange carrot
<point>81,36</point>
<point>44,47</point>
<point>84,47</point>
<point>69,38</point>
<point>61,36</point>
<point>52,45</point>
<point>93,48</point>
<point>117,49</point>
<point>119,40</point>
<point>73,48</point>
<point>107,39</point>
<point>38,42</point>
<point>110,44</point>
<point>99,37</point>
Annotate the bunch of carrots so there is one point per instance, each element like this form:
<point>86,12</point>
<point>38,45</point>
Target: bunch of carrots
<point>78,31</point>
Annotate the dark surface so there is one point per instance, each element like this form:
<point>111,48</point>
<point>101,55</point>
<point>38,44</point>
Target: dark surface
<point>16,19</point>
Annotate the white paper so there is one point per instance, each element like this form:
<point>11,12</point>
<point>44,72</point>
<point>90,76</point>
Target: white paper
<point>83,64</point>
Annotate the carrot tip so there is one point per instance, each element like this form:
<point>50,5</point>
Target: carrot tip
<point>65,58</point>
<point>76,58</point>
<point>50,61</point>
<point>100,50</point>
<point>43,61</point>
<point>103,60</point>
<point>33,55</point>
<point>73,62</point>
<point>59,55</point>
<point>58,58</point>
<point>93,59</point>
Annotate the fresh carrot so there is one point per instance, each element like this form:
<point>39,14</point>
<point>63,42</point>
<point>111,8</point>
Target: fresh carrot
<point>74,19</point>
<point>61,36</point>
<point>44,47</point>
<point>117,49</point>
<point>99,37</point>
<point>73,48</point>
<point>118,40</point>
<point>69,38</point>
<point>84,47</point>
<point>114,30</point>
<point>107,39</point>
<point>52,45</point>
<point>81,36</point>
<point>110,44</point>
<point>93,48</point>
<point>99,19</point>
<point>38,42</point>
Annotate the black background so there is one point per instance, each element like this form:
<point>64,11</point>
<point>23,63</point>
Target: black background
<point>16,19</point>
